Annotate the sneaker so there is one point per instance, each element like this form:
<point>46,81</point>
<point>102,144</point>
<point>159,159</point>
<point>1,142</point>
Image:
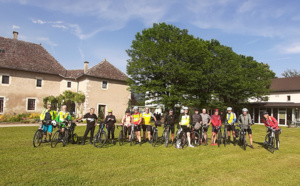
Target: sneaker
<point>149,142</point>
<point>140,143</point>
<point>251,146</point>
<point>211,144</point>
<point>191,146</point>
<point>44,141</point>
<point>136,142</point>
<point>215,144</point>
<point>265,143</point>
<point>91,143</point>
<point>276,148</point>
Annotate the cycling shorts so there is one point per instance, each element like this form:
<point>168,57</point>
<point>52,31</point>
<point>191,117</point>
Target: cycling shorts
<point>48,128</point>
<point>214,129</point>
<point>248,130</point>
<point>230,127</point>
<point>172,129</point>
<point>185,128</point>
<point>144,127</point>
<point>205,129</point>
<point>127,130</point>
<point>149,128</point>
<point>137,128</point>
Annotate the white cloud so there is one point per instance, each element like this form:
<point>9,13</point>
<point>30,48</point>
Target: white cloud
<point>60,26</point>
<point>293,48</point>
<point>16,27</point>
<point>81,53</point>
<point>46,40</point>
<point>39,21</point>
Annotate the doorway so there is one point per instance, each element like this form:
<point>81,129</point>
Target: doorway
<point>101,111</point>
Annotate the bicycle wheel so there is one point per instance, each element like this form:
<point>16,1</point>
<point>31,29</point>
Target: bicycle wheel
<point>37,138</point>
<point>272,146</point>
<point>167,134</point>
<point>196,138</point>
<point>66,138</point>
<point>154,138</point>
<point>183,140</point>
<point>121,138</point>
<point>244,142</point>
<point>224,138</point>
<point>266,140</point>
<point>132,141</point>
<point>100,139</point>
<point>74,139</point>
<point>219,138</point>
<point>55,139</point>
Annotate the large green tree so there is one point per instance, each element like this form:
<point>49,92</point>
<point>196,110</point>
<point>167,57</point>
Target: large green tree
<point>176,68</point>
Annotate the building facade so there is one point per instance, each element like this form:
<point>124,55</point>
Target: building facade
<point>28,73</point>
<point>283,102</point>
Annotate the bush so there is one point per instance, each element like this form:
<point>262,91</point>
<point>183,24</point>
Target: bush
<point>24,117</point>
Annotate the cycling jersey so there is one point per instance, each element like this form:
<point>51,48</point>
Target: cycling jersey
<point>48,115</point>
<point>196,118</point>
<point>216,120</point>
<point>127,120</point>
<point>230,118</point>
<point>62,116</point>
<point>271,122</point>
<point>185,119</point>
<point>136,118</point>
<point>205,118</point>
<point>244,120</point>
<point>147,118</point>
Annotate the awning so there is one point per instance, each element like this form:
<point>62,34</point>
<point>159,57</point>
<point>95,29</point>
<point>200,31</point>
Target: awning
<point>276,104</point>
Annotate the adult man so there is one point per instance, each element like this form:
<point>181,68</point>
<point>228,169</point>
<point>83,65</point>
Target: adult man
<point>146,123</point>
<point>271,123</point>
<point>110,121</point>
<point>91,120</point>
<point>137,119</point>
<point>205,122</point>
<point>216,124</point>
<point>127,121</point>
<point>47,116</point>
<point>62,118</point>
<point>170,119</point>
<point>197,118</point>
<point>230,120</point>
<point>186,121</point>
<point>245,121</point>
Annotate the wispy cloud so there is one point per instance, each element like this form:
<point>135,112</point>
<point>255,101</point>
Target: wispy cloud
<point>46,40</point>
<point>16,27</point>
<point>292,48</point>
<point>60,26</point>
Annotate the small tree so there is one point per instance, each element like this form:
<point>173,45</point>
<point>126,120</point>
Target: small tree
<point>291,73</point>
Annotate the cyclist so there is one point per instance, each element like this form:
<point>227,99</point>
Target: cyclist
<point>197,118</point>
<point>230,120</point>
<point>91,120</point>
<point>186,121</point>
<point>170,119</point>
<point>127,121</point>
<point>110,121</point>
<point>137,119</point>
<point>63,117</point>
<point>216,124</point>
<point>47,116</point>
<point>205,122</point>
<point>271,123</point>
<point>146,123</point>
<point>245,120</point>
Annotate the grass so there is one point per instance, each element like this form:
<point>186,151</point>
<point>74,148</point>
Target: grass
<point>22,164</point>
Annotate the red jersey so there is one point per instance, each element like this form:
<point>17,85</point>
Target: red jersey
<point>216,120</point>
<point>271,122</point>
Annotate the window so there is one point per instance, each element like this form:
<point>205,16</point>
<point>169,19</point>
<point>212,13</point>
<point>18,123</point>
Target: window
<point>69,84</point>
<point>104,84</point>
<point>288,98</point>
<point>31,104</point>
<point>1,104</point>
<point>5,79</point>
<point>38,83</point>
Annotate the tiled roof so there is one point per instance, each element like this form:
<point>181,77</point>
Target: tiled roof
<point>74,73</point>
<point>105,69</point>
<point>286,84</point>
<point>21,55</point>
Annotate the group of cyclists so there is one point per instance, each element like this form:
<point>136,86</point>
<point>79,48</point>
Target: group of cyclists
<point>143,123</point>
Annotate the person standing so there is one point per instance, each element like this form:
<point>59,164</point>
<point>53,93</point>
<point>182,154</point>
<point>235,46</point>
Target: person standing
<point>271,123</point>
<point>91,120</point>
<point>127,121</point>
<point>230,121</point>
<point>146,123</point>
<point>216,124</point>
<point>62,118</point>
<point>110,121</point>
<point>205,123</point>
<point>245,121</point>
<point>47,116</point>
<point>186,121</point>
<point>137,119</point>
<point>170,120</point>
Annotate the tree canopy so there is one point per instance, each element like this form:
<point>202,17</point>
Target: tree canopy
<point>172,65</point>
<point>291,73</point>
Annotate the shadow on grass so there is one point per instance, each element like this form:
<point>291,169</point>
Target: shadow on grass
<point>262,145</point>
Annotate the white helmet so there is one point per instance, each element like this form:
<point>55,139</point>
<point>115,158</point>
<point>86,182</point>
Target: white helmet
<point>53,123</point>
<point>135,108</point>
<point>229,108</point>
<point>185,108</point>
<point>245,110</point>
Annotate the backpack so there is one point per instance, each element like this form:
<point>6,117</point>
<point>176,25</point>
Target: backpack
<point>197,126</point>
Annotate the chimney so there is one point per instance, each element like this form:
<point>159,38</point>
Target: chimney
<point>86,67</point>
<point>15,34</point>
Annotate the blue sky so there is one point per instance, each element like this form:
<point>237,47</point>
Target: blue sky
<point>75,31</point>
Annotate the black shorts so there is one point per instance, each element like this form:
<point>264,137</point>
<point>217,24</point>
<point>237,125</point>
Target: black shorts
<point>214,129</point>
<point>231,128</point>
<point>186,129</point>
<point>249,131</point>
<point>205,129</point>
<point>149,128</point>
<point>172,129</point>
<point>127,130</point>
<point>137,128</point>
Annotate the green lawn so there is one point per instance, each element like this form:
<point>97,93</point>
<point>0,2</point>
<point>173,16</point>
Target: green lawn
<point>22,164</point>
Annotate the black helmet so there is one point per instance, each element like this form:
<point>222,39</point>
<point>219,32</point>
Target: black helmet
<point>127,111</point>
<point>171,110</point>
<point>196,109</point>
<point>265,112</point>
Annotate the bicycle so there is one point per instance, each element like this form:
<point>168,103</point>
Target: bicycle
<point>165,135</point>
<point>72,137</point>
<point>38,137</point>
<point>242,137</point>
<point>154,137</point>
<point>270,139</point>
<point>132,136</point>
<point>57,136</point>
<point>226,135</point>
<point>181,138</point>
<point>202,137</point>
<point>101,137</point>
<point>195,137</point>
<point>219,136</point>
<point>121,135</point>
